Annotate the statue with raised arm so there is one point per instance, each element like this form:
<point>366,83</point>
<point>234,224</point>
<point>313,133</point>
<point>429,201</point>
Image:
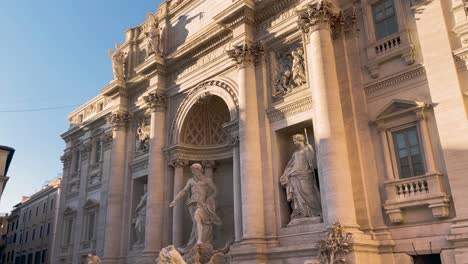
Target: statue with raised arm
<point>201,204</point>
<point>153,36</point>
<point>140,219</point>
<point>298,67</point>
<point>119,59</point>
<point>300,182</point>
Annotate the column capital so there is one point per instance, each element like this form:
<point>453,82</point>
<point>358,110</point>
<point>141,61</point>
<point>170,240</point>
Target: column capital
<point>119,119</point>
<point>178,163</point>
<point>156,101</point>
<point>320,15</point>
<point>208,164</point>
<point>246,54</point>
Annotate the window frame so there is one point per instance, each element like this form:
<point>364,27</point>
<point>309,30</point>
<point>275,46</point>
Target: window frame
<point>385,20</point>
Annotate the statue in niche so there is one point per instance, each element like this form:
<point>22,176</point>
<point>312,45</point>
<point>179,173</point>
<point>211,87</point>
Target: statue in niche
<point>93,259</point>
<point>202,207</point>
<point>292,74</point>
<point>299,180</point>
<point>119,59</point>
<point>140,218</point>
<point>143,136</point>
<point>153,36</point>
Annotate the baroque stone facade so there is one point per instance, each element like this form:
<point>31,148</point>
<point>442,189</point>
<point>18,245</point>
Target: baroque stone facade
<point>294,131</point>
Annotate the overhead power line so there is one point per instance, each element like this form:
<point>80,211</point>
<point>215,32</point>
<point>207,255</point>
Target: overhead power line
<point>38,109</point>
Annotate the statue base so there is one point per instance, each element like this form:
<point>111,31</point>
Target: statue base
<point>305,221</point>
<point>198,254</point>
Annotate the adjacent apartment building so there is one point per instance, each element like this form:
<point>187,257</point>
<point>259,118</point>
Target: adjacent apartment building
<point>378,88</point>
<point>31,227</point>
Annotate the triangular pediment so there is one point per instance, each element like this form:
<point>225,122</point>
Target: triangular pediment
<point>398,107</point>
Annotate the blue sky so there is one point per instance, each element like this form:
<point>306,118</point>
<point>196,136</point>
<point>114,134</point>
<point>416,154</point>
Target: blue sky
<point>53,53</point>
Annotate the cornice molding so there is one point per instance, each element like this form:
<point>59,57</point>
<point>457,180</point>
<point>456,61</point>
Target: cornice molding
<point>394,80</point>
<point>292,108</point>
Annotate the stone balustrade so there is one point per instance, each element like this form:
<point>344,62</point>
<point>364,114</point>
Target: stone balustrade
<point>426,190</point>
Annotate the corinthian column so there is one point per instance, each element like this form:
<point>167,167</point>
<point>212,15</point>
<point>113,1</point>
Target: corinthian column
<point>253,220</point>
<point>118,120</point>
<point>317,22</point>
<point>178,211</point>
<point>156,168</point>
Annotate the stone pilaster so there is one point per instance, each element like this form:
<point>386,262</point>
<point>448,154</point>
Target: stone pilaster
<point>156,102</point>
<point>178,210</point>
<point>253,222</point>
<point>113,230</point>
<point>317,22</point>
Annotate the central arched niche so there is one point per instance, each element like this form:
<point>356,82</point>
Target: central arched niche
<point>203,124</point>
<point>203,138</point>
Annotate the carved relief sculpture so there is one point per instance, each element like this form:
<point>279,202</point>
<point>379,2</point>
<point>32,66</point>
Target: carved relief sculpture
<point>140,218</point>
<point>153,36</point>
<point>143,135</point>
<point>293,74</point>
<point>202,207</point>
<point>337,245</point>
<point>119,58</point>
<point>300,182</point>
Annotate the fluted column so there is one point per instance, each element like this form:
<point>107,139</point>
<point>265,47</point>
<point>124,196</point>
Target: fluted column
<point>178,210</point>
<point>156,168</point>
<point>317,23</point>
<point>118,120</point>
<point>253,220</point>
<point>236,188</point>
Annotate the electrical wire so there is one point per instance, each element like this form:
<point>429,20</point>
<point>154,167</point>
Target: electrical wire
<point>38,109</point>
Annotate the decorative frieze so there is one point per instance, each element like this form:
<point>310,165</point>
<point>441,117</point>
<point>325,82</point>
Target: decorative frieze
<point>246,53</point>
<point>292,72</point>
<point>156,101</point>
<point>119,119</point>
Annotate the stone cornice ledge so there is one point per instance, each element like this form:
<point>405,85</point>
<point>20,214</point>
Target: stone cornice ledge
<point>151,65</point>
<point>292,108</point>
<point>394,80</point>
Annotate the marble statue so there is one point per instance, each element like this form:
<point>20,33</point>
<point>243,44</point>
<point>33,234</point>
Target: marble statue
<point>93,259</point>
<point>298,67</point>
<point>300,183</point>
<point>153,36</point>
<point>140,219</point>
<point>119,59</point>
<point>169,255</point>
<point>201,204</point>
<point>143,134</point>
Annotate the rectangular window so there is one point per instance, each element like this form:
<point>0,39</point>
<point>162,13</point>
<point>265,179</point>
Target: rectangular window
<point>44,208</point>
<point>41,231</point>
<point>385,19</point>
<point>44,254</point>
<point>408,152</point>
<point>48,229</point>
<point>51,204</point>
<point>97,155</point>
<point>33,234</point>
<point>68,234</point>
<point>37,210</point>
<point>77,160</point>
<point>91,220</point>
<point>26,237</point>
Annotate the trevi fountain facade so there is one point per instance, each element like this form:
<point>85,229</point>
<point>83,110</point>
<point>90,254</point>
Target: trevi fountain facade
<point>275,131</point>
